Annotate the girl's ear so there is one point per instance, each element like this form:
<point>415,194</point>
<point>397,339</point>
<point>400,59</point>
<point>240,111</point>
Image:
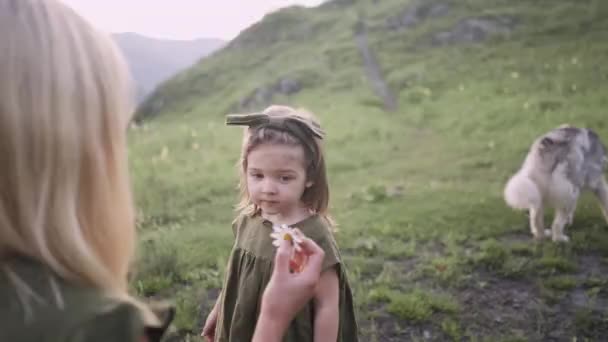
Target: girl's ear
<point>309,184</point>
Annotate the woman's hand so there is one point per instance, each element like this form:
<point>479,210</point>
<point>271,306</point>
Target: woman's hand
<point>287,292</point>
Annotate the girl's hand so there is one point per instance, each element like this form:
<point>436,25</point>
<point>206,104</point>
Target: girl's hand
<point>287,292</point>
<point>209,328</point>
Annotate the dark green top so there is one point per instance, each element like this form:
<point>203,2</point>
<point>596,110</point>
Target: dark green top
<point>56,311</point>
<point>249,270</point>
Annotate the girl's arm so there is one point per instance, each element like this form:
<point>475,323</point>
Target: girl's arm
<point>327,311</point>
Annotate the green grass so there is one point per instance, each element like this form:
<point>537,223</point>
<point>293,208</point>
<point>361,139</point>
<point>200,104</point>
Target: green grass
<point>466,118</point>
<point>414,305</point>
<point>563,283</point>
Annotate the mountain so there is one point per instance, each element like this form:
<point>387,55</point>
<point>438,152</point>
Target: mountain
<point>429,107</point>
<point>153,60</point>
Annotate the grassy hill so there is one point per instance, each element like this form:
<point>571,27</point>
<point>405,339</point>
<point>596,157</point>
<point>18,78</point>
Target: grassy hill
<point>433,252</point>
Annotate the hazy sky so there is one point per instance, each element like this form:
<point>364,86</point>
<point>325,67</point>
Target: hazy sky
<point>179,19</point>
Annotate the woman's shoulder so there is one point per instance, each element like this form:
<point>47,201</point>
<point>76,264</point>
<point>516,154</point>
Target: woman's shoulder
<point>38,305</point>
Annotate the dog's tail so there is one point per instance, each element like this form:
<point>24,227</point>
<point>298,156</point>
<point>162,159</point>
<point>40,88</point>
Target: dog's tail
<point>521,193</point>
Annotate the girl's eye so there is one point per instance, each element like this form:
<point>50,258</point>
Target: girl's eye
<point>285,179</point>
<point>257,175</point>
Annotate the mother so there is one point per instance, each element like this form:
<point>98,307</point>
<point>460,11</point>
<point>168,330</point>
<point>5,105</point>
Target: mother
<point>67,234</point>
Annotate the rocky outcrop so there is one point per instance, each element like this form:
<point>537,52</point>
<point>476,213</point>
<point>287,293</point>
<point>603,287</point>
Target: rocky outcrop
<point>416,14</point>
<point>469,30</point>
<point>475,30</point>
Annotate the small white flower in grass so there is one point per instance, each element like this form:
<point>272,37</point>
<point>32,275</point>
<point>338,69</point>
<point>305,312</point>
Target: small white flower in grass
<point>284,232</point>
<point>164,153</point>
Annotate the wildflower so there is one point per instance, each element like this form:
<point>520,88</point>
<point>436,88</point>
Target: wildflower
<point>284,232</point>
<point>164,153</point>
<point>298,258</point>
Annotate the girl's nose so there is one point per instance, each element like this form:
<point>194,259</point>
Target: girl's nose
<point>269,187</point>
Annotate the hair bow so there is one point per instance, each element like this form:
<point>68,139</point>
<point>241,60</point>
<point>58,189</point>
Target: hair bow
<point>299,126</point>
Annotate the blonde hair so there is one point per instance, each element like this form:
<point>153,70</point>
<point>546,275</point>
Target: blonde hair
<point>315,197</point>
<point>64,112</point>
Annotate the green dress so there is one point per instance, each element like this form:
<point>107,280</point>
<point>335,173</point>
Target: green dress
<point>56,311</point>
<point>249,270</point>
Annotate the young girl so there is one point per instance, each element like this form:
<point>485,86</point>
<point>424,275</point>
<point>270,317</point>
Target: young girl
<point>283,182</point>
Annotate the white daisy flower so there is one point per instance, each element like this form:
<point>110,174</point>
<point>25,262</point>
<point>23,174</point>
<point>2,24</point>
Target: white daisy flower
<point>285,232</point>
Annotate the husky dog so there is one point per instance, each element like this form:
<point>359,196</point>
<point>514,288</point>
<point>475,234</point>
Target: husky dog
<point>560,164</point>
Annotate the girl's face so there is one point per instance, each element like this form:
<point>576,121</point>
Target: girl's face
<point>276,178</point>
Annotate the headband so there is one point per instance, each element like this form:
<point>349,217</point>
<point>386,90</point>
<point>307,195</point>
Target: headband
<point>303,129</point>
<point>300,127</point>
